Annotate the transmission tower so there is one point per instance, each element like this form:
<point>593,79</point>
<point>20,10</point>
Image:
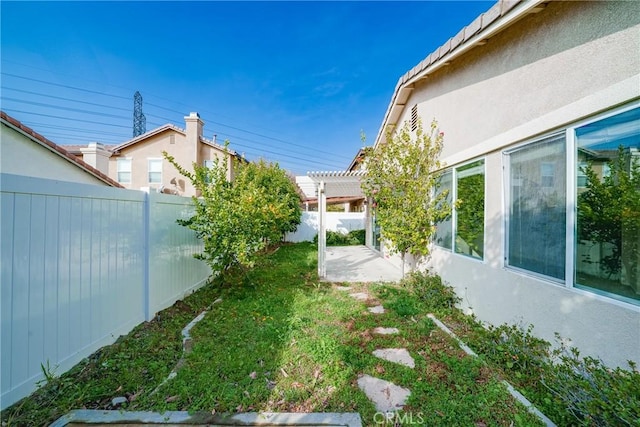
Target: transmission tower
<point>139,121</point>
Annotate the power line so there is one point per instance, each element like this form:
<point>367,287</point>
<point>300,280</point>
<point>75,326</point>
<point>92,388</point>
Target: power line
<point>124,88</point>
<point>66,118</point>
<point>172,110</point>
<point>289,156</point>
<point>66,99</point>
<point>257,151</point>
<point>64,86</point>
<point>49,126</point>
<point>57,107</point>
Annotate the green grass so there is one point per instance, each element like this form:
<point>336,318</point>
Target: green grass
<point>282,341</point>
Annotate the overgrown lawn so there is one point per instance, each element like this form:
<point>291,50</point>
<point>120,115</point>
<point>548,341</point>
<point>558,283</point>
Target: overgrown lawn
<point>282,341</point>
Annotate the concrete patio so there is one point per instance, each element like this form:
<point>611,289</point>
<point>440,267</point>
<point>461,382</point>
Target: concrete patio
<point>359,264</point>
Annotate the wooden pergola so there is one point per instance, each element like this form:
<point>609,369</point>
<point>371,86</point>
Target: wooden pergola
<point>332,184</point>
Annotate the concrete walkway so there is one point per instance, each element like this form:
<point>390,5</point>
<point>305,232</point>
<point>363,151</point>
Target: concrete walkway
<point>359,264</point>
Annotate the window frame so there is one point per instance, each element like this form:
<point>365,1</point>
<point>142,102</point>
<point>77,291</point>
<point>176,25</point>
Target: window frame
<point>571,199</point>
<point>434,237</point>
<point>454,211</point>
<point>506,207</point>
<point>156,160</point>
<point>120,161</point>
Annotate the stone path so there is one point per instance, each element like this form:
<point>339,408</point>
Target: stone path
<point>386,396</point>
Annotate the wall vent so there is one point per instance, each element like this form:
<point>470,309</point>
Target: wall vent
<point>414,117</point>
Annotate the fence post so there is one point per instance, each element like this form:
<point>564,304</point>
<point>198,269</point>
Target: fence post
<point>146,223</point>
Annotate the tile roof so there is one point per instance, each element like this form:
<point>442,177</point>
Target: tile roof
<point>57,149</point>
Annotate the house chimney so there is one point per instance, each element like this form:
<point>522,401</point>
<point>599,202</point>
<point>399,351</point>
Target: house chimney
<point>193,129</point>
<point>95,154</point>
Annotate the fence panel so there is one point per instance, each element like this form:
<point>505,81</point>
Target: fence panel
<point>173,271</point>
<point>336,221</point>
<point>77,271</point>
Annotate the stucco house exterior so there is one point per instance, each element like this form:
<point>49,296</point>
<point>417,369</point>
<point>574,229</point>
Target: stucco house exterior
<point>139,164</point>
<point>27,153</point>
<point>529,95</point>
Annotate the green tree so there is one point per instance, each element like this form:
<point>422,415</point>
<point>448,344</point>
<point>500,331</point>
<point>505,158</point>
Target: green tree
<point>237,219</point>
<point>609,212</point>
<point>401,180</point>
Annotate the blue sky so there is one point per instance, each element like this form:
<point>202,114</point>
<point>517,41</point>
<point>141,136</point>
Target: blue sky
<point>293,82</point>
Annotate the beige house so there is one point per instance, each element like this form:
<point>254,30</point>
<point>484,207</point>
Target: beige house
<point>138,163</point>
<point>526,95</point>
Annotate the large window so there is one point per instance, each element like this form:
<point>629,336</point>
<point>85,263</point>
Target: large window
<point>537,208</point>
<point>124,170</point>
<point>586,235</point>
<point>467,220</point>
<point>607,247</point>
<point>155,171</point>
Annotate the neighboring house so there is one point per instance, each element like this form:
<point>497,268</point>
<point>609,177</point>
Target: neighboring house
<point>139,164</point>
<point>25,152</point>
<point>526,95</point>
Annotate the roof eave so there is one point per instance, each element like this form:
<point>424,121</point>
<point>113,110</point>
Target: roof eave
<point>502,14</point>
<point>146,135</point>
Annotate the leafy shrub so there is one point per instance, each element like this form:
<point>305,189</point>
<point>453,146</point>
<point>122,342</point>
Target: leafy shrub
<point>402,302</point>
<point>430,290</point>
<point>352,238</point>
<point>359,235</point>
<point>516,349</point>
<point>568,389</point>
<point>238,219</point>
<point>592,393</point>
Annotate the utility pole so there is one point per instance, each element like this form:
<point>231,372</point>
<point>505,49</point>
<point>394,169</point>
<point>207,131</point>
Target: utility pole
<point>139,120</point>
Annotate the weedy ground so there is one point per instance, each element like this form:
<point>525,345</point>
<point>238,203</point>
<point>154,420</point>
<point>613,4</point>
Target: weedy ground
<point>280,340</point>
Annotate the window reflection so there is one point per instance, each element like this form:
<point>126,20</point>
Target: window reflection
<point>608,205</point>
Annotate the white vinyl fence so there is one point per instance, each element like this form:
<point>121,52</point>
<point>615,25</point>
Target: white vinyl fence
<point>81,265</point>
<point>336,221</point>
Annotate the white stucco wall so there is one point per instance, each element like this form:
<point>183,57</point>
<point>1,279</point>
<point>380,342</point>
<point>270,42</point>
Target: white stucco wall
<point>19,155</point>
<point>342,222</point>
<point>551,69</point>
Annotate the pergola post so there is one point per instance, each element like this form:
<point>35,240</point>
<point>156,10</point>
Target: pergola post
<point>332,184</point>
<point>322,226</point>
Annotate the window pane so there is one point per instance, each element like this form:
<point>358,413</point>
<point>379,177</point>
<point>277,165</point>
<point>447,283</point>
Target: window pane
<point>155,165</point>
<point>537,208</point>
<point>124,177</point>
<point>608,205</point>
<point>470,211</point>
<point>443,236</point>
<point>155,171</point>
<point>124,170</point>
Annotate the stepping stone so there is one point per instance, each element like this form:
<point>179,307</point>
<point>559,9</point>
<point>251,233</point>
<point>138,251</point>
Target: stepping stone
<point>343,288</point>
<point>360,296</point>
<point>386,331</point>
<point>386,396</point>
<point>396,355</point>
<point>378,309</point>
